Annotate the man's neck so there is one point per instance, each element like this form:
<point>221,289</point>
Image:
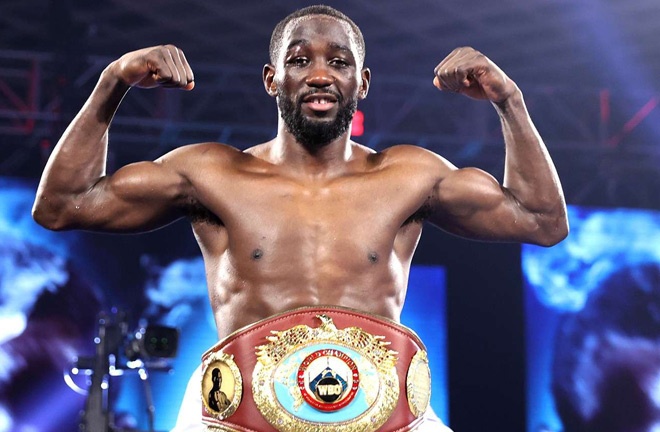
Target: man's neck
<point>313,160</point>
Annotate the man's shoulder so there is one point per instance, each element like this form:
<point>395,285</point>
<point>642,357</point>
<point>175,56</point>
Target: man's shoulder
<point>205,149</point>
<point>203,154</point>
<point>407,154</point>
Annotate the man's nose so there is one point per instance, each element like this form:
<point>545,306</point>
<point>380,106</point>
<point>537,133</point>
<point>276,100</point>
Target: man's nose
<point>320,76</point>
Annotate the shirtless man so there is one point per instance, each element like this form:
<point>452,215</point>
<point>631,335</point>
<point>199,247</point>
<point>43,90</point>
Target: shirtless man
<point>310,218</point>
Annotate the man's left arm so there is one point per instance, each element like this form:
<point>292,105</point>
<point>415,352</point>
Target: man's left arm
<point>529,206</point>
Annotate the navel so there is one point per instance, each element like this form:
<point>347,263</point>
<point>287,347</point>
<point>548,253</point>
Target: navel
<point>257,254</point>
<point>373,257</point>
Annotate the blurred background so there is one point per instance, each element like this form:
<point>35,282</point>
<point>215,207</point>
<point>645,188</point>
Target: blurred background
<point>590,74</point>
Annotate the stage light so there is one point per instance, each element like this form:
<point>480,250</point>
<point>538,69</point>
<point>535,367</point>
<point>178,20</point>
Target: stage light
<point>357,126</point>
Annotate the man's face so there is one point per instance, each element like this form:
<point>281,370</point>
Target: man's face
<point>318,79</point>
<point>217,377</point>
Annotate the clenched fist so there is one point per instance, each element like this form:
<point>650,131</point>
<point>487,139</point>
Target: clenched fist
<point>164,66</point>
<point>467,71</point>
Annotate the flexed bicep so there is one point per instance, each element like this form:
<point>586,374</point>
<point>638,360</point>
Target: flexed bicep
<point>471,203</point>
<point>138,197</point>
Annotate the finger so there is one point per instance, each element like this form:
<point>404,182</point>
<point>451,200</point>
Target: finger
<point>462,77</point>
<point>181,69</point>
<point>445,83</point>
<point>441,84</point>
<point>190,77</point>
<point>451,58</point>
<point>449,79</point>
<point>448,75</point>
<point>175,79</point>
<point>161,70</point>
<point>166,74</point>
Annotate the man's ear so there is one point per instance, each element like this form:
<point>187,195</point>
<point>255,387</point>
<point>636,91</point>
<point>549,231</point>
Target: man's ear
<point>364,87</point>
<point>269,80</point>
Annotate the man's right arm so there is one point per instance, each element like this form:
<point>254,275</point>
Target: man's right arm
<point>75,191</point>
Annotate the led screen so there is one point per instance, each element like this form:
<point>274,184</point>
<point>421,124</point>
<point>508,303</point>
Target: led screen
<point>593,324</point>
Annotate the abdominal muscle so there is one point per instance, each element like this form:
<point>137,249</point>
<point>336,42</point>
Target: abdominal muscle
<point>240,301</point>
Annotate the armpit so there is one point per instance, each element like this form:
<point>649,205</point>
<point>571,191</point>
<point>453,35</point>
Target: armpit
<point>197,213</point>
<point>422,214</point>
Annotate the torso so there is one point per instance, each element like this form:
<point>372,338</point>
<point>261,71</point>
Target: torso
<point>276,240</point>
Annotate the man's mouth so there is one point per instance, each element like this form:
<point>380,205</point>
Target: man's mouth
<point>320,101</point>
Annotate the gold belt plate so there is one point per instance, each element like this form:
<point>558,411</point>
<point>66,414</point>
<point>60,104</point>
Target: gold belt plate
<point>325,378</point>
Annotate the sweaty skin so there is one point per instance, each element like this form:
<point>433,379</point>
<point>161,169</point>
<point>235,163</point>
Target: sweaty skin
<point>287,224</point>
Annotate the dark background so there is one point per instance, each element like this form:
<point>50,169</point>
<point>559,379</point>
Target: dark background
<point>589,70</point>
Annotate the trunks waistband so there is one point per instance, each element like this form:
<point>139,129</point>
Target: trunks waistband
<point>316,368</point>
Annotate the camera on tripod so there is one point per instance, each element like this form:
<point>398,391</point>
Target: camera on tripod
<point>117,351</point>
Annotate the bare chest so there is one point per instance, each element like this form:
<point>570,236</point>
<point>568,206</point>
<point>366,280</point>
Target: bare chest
<point>281,244</point>
<point>356,217</point>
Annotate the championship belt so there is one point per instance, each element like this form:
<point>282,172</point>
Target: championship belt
<point>317,369</point>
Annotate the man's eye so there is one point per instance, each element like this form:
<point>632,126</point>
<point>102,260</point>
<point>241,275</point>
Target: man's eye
<point>339,62</point>
<point>298,61</point>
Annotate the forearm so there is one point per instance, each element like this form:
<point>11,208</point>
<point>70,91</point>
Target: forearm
<point>79,158</point>
<point>530,175</point>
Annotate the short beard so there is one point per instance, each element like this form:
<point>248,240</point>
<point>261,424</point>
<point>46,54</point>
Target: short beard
<point>315,134</point>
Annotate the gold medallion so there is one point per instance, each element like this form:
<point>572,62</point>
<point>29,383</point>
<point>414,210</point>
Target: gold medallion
<point>222,385</point>
<point>418,384</point>
<point>325,379</point>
